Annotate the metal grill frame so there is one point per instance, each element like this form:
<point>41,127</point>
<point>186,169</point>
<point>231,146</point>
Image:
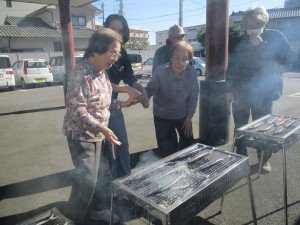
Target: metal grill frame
<point>193,203</point>
<point>244,131</point>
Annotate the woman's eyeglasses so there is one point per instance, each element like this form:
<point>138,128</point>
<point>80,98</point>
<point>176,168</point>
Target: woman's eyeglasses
<point>178,60</point>
<point>114,55</point>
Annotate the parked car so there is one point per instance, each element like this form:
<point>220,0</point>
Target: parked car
<point>7,78</point>
<point>137,65</point>
<point>32,71</point>
<point>199,64</point>
<point>147,67</point>
<point>58,68</point>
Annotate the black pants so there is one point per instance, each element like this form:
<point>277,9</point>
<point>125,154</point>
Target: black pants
<point>242,107</point>
<point>167,138</point>
<point>85,157</point>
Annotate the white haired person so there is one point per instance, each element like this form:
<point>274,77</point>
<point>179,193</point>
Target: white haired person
<point>254,76</point>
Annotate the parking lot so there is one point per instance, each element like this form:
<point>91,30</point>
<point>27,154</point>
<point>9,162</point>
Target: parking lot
<point>35,163</point>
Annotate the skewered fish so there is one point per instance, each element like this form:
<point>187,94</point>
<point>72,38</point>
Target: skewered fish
<point>266,128</point>
<point>289,123</point>
<point>272,120</point>
<point>278,130</point>
<point>197,158</point>
<point>210,163</point>
<point>255,125</point>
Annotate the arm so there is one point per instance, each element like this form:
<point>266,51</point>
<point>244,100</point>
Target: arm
<point>191,107</point>
<point>133,93</point>
<point>144,100</point>
<point>76,105</point>
<point>154,84</point>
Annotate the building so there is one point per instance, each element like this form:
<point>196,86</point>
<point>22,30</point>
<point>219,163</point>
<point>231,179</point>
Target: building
<point>38,30</point>
<point>287,20</point>
<point>138,34</point>
<point>191,34</point>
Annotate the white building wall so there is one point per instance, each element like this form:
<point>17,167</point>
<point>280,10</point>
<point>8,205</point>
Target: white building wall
<point>32,43</point>
<point>191,35</point>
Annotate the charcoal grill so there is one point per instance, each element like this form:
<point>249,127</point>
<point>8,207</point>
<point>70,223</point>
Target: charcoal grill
<point>264,133</point>
<point>178,187</point>
<point>49,217</point>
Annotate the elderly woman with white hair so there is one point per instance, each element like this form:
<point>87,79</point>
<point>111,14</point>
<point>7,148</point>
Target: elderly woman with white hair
<point>254,76</point>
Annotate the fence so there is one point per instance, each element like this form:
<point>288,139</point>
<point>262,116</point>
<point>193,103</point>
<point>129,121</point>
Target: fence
<point>47,55</point>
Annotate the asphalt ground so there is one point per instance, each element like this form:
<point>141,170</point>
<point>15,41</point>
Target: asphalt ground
<point>35,163</point>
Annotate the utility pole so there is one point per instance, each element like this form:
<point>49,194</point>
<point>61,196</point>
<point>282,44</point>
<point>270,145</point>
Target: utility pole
<point>102,8</point>
<point>121,7</point>
<point>180,13</point>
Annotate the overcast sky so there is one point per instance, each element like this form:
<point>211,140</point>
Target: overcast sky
<point>157,15</point>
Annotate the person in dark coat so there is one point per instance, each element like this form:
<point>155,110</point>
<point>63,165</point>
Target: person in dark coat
<point>254,76</point>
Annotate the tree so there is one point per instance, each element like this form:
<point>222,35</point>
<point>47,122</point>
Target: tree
<point>136,45</point>
<point>235,32</point>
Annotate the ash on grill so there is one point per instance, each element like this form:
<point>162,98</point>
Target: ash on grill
<point>177,188</point>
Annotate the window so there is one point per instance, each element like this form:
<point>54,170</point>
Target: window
<point>8,3</point>
<point>78,21</point>
<point>57,46</point>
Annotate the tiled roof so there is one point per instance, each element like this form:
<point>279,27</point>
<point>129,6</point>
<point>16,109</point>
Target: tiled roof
<point>22,27</point>
<point>273,14</point>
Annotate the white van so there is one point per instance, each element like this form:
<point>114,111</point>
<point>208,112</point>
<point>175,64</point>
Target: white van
<point>57,64</point>
<point>32,71</point>
<point>7,78</point>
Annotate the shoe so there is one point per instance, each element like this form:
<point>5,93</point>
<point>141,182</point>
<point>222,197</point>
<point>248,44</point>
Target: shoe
<point>104,215</point>
<point>267,167</point>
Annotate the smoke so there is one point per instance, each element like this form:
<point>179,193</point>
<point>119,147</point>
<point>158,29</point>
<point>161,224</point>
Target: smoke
<point>147,158</point>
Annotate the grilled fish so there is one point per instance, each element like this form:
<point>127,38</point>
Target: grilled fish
<point>210,163</point>
<point>278,130</point>
<point>272,120</point>
<point>255,125</point>
<point>266,128</point>
<point>289,123</point>
<point>197,157</point>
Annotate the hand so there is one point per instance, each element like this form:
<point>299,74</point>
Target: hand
<point>255,40</point>
<point>144,101</point>
<point>129,102</point>
<point>187,127</point>
<point>110,136</point>
<point>133,93</point>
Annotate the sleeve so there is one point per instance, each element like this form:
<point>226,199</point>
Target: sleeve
<point>193,98</point>
<point>155,61</point>
<point>77,105</point>
<point>281,48</point>
<point>232,73</point>
<point>154,84</point>
<point>128,77</point>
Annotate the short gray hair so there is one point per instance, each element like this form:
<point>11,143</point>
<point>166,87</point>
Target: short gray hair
<point>257,12</point>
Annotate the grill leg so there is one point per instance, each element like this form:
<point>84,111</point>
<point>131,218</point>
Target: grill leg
<point>112,199</point>
<point>284,185</point>
<point>221,205</point>
<point>252,200</point>
<point>260,163</point>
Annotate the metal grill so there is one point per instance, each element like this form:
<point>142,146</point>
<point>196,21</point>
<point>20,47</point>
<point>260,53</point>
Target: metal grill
<point>273,127</point>
<point>178,187</point>
<point>50,217</point>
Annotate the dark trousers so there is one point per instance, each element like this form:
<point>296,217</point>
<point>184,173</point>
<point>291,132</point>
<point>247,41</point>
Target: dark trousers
<point>120,165</point>
<point>85,157</point>
<point>166,136</point>
<point>241,113</point>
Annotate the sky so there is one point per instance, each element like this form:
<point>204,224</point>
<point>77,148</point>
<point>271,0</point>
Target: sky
<point>158,15</point>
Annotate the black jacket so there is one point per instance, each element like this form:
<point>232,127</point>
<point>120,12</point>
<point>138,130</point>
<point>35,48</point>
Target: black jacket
<point>162,55</point>
<point>255,70</point>
<point>121,71</point>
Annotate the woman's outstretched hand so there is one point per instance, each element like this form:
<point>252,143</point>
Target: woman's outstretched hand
<point>110,136</point>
